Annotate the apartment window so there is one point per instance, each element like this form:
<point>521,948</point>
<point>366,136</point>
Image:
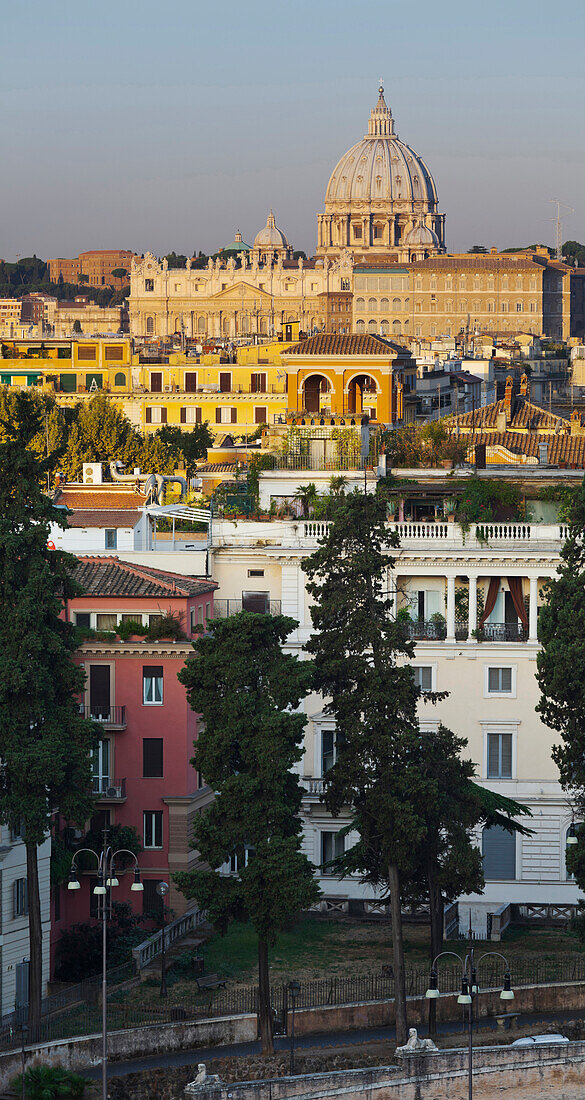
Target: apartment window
<point>152,685</point>
<point>499,755</point>
<point>19,898</point>
<point>153,828</point>
<point>258,602</point>
<point>155,415</point>
<point>190,414</point>
<point>499,854</point>
<point>500,680</point>
<point>258,383</point>
<point>504,307</point>
<point>260,414</point>
<point>111,536</point>
<point>86,353</point>
<point>328,750</point>
<point>152,757</point>
<point>114,352</point>
<point>224,415</point>
<point>152,902</point>
<point>423,677</point>
<point>332,846</point>
<point>149,284</point>
<point>83,618</point>
<point>106,621</point>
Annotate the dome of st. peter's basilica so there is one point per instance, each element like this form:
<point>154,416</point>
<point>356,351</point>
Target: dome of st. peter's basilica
<point>381,199</point>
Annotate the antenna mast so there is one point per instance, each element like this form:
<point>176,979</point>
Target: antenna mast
<point>559,227</point>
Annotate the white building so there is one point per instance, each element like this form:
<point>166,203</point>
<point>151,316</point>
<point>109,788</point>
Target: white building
<point>487,666</point>
<point>14,934</point>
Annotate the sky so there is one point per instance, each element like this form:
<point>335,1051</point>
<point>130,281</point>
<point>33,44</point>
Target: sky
<point>168,126</point>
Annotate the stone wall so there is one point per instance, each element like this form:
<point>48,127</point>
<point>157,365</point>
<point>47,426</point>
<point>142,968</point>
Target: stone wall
<point>442,1075</point>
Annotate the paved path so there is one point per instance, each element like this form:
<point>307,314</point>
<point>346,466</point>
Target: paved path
<point>338,1039</point>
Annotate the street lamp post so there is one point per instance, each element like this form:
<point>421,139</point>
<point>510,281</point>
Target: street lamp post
<point>469,990</point>
<point>294,988</point>
<point>106,879</point>
<point>162,889</point>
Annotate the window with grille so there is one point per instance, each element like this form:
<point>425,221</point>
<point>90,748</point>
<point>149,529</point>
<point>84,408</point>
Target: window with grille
<point>152,684</point>
<point>152,757</point>
<point>111,538</point>
<point>500,681</point>
<point>153,828</point>
<point>332,846</point>
<point>499,756</point>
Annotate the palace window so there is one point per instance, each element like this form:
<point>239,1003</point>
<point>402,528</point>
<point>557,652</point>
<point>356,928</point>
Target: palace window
<point>499,854</point>
<point>372,305</point>
<point>499,755</point>
<point>149,284</point>
<point>519,307</point>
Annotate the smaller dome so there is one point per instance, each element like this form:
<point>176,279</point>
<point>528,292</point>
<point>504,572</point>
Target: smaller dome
<point>420,236</point>
<point>271,236</point>
<point>237,245</point>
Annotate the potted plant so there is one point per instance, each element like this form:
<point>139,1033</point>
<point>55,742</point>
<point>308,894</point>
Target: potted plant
<point>167,628</point>
<point>132,630</point>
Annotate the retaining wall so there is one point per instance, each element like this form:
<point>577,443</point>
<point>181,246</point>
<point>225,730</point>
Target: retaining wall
<point>442,1075</point>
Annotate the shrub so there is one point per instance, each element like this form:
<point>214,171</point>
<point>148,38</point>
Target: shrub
<point>49,1083</point>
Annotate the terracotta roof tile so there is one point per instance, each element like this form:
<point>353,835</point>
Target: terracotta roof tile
<point>103,517</point>
<point>108,576</point>
<point>562,449</point>
<point>103,497</point>
<point>524,415</point>
<point>330,343</point>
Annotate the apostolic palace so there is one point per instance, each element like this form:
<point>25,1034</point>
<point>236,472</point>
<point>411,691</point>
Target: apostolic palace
<point>381,267</point>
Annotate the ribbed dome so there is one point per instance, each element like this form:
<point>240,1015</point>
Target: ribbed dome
<point>271,236</point>
<point>380,167</point>
<point>420,236</point>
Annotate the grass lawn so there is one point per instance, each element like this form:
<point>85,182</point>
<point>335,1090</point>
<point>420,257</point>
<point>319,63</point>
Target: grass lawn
<point>316,948</point>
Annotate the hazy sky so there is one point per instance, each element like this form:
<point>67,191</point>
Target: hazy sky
<point>169,125</point>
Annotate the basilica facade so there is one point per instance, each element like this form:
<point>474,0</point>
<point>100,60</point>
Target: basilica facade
<point>381,267</point>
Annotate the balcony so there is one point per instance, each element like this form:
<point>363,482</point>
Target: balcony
<point>313,786</point>
<point>106,789</point>
<point>426,631</point>
<point>222,609</point>
<point>502,632</point>
<point>112,718</point>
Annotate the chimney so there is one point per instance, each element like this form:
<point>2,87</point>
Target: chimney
<point>524,387</point>
<point>576,428</point>
<point>504,417</point>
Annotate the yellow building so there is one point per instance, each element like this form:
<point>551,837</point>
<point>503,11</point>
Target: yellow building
<point>334,376</point>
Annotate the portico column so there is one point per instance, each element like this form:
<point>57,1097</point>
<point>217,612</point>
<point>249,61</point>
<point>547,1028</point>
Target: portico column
<point>450,608</point>
<point>533,610</point>
<point>472,625</point>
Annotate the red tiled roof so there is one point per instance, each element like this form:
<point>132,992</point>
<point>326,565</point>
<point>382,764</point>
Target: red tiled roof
<point>330,343</point>
<point>524,415</point>
<point>108,576</point>
<point>103,517</point>
<point>562,449</point>
<point>90,496</point>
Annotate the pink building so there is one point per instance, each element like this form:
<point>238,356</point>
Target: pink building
<point>141,768</point>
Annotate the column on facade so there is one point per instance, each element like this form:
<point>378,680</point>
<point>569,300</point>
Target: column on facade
<point>472,599</point>
<point>329,238</point>
<point>365,231</point>
<point>290,601</point>
<point>450,607</point>
<point>533,610</point>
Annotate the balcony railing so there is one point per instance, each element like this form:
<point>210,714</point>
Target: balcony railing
<point>426,631</point>
<point>502,632</point>
<point>112,717</point>
<point>112,790</point>
<point>313,786</point>
<point>222,609</point>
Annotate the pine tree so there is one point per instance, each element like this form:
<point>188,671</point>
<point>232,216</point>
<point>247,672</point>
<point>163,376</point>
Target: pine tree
<point>410,794</point>
<point>246,690</point>
<point>45,744</point>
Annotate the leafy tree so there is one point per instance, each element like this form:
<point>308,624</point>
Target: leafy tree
<point>82,278</point>
<point>307,497</point>
<point>44,742</point>
<point>101,432</point>
<point>186,445</point>
<point>79,948</point>
<point>574,252</point>
<point>561,662</point>
<point>246,690</point>
<point>119,272</point>
<point>477,249</point>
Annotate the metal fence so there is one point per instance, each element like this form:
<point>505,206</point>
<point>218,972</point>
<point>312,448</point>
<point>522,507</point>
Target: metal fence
<point>75,1018</point>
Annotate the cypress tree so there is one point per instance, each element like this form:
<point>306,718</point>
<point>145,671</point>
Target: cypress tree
<point>246,690</point>
<point>45,744</point>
